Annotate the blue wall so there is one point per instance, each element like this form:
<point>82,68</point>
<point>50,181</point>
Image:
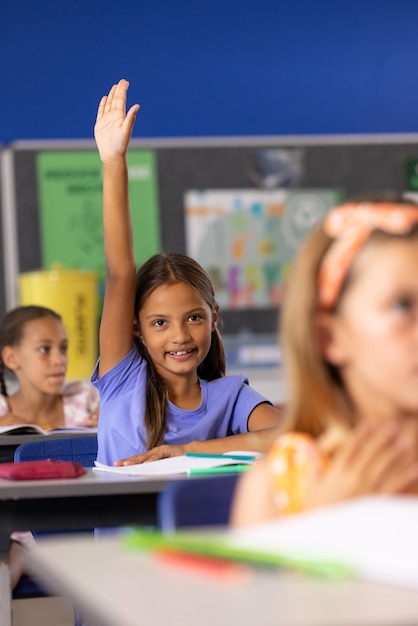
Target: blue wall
<point>254,67</point>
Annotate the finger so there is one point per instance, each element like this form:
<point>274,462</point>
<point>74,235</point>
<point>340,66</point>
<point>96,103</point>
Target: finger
<point>369,448</point>
<point>401,481</point>
<point>130,460</point>
<point>385,466</point>
<point>356,440</point>
<point>129,121</point>
<point>90,422</point>
<point>395,465</point>
<point>101,109</point>
<point>133,111</point>
<point>387,470</point>
<point>119,95</point>
<point>108,105</point>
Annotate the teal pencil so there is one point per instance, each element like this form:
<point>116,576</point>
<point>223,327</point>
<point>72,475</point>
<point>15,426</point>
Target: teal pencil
<point>220,469</point>
<point>238,457</point>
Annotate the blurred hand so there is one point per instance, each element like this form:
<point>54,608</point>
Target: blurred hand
<point>90,422</point>
<point>376,459</point>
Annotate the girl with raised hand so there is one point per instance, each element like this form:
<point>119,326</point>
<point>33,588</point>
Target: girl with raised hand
<point>350,340</point>
<point>161,368</point>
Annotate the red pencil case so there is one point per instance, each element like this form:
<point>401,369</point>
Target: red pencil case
<point>36,470</point>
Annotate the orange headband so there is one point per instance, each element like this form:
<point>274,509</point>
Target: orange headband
<point>351,225</point>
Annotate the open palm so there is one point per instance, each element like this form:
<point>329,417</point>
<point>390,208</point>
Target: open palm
<point>114,126</point>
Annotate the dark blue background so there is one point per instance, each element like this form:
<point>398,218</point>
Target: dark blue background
<point>254,67</point>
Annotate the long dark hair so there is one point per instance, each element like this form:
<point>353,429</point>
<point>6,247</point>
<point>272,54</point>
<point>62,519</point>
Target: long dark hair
<point>12,327</point>
<point>170,269</point>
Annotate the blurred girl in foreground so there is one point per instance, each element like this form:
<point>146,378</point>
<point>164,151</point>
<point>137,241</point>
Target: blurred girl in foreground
<point>350,338</point>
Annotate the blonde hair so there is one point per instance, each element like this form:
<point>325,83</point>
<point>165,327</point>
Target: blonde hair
<point>312,397</point>
<point>317,397</point>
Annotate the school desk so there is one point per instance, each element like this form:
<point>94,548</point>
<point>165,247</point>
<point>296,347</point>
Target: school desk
<point>94,500</point>
<point>117,586</point>
<point>9,443</point>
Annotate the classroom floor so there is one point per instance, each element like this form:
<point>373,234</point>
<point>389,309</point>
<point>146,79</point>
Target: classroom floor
<point>52,611</point>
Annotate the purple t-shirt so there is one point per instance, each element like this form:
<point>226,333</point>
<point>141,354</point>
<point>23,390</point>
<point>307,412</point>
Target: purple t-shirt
<point>224,410</point>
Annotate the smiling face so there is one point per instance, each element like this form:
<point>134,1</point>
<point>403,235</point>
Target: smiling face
<point>373,337</point>
<point>40,358</point>
<point>176,324</point>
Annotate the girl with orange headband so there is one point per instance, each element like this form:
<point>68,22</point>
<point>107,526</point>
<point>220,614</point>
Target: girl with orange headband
<point>350,340</point>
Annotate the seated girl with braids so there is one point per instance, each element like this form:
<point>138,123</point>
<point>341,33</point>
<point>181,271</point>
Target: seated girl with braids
<point>33,350</point>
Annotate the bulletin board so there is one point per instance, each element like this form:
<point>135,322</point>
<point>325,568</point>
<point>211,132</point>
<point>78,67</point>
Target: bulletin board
<point>246,238</point>
<point>347,165</point>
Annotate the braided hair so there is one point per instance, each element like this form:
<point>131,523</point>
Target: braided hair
<point>11,331</point>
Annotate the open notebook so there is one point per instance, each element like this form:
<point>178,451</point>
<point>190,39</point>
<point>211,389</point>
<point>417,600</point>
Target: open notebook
<point>187,464</point>
<point>34,429</point>
<point>373,538</point>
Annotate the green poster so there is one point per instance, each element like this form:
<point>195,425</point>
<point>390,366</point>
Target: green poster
<point>412,174</point>
<point>70,201</point>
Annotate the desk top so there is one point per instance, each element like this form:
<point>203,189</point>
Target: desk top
<point>92,483</point>
<point>9,443</point>
<point>16,440</point>
<point>93,500</point>
<point>114,585</point>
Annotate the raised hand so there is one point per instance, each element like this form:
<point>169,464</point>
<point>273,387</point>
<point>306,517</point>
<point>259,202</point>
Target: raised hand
<point>113,128</point>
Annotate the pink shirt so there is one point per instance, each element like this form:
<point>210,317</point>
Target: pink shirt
<point>81,401</point>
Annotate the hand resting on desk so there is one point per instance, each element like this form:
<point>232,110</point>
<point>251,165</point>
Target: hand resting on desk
<point>160,452</point>
<point>255,441</point>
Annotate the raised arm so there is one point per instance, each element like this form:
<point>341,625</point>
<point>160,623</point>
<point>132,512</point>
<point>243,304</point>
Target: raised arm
<point>112,132</point>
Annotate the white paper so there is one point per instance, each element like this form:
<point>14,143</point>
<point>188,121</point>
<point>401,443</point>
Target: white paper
<point>171,466</point>
<point>376,535</point>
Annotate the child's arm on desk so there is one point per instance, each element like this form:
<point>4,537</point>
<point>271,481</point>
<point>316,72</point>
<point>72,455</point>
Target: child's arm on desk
<point>264,425</point>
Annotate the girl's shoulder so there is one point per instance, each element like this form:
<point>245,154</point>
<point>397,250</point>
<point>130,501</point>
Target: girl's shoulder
<point>295,450</point>
<point>291,459</point>
<point>131,367</point>
<point>293,442</point>
<point>4,406</point>
<point>82,388</point>
<point>81,402</point>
